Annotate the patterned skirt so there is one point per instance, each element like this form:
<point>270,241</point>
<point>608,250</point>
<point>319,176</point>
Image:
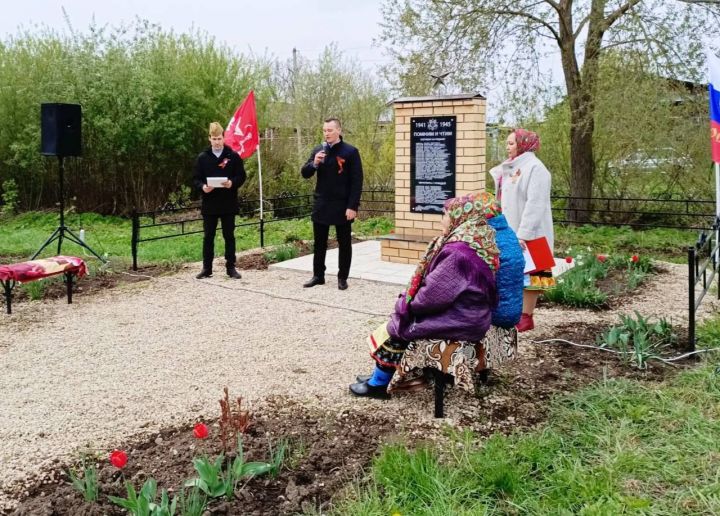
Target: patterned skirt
<point>541,280</point>
<point>457,358</point>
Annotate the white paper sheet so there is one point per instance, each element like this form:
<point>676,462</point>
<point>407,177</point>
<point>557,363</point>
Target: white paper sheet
<point>216,182</point>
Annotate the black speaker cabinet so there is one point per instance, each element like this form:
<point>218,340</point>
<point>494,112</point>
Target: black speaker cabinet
<point>61,129</point>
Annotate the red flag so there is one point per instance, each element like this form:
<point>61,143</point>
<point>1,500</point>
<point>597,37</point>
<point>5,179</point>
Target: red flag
<point>241,134</point>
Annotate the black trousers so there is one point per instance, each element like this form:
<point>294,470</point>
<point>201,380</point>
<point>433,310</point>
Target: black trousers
<point>228,231</point>
<point>320,234</point>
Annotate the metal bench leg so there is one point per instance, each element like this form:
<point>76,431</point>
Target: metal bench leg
<point>439,393</point>
<point>8,286</point>
<point>69,283</point>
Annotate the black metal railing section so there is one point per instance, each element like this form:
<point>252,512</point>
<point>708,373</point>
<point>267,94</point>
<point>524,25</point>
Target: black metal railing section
<point>150,226</point>
<point>637,212</point>
<point>703,265</point>
<point>633,212</point>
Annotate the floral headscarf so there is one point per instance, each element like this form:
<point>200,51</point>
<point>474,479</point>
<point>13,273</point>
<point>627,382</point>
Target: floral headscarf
<point>490,206</point>
<point>468,224</point>
<point>526,141</point>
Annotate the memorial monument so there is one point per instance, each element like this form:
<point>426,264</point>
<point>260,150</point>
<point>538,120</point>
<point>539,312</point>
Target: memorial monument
<point>439,154</point>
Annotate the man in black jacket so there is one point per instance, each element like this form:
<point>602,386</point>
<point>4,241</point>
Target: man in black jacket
<point>336,199</point>
<point>225,168</point>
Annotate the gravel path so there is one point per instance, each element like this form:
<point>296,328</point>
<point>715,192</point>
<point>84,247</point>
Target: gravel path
<point>158,353</point>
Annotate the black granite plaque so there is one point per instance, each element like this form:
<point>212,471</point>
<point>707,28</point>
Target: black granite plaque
<point>432,162</point>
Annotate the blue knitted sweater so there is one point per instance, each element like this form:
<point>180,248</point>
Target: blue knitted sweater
<point>509,277</point>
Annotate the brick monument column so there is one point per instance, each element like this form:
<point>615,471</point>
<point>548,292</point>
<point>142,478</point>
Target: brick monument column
<point>439,153</point>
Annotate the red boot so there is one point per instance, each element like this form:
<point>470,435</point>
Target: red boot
<point>526,323</point>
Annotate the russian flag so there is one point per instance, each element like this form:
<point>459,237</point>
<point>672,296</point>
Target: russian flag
<point>714,87</point>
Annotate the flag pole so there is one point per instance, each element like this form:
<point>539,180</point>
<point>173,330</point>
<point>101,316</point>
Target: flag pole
<point>717,217</point>
<point>262,222</point>
<point>717,189</point>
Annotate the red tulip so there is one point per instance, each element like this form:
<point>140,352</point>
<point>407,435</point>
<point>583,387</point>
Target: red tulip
<point>601,258</point>
<point>635,258</point>
<point>201,431</point>
<point>118,458</point>
<point>392,231</point>
<point>568,259</point>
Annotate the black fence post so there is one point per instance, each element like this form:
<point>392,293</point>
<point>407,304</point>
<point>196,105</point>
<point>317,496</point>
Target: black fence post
<point>691,298</point>
<point>262,233</point>
<point>134,238</point>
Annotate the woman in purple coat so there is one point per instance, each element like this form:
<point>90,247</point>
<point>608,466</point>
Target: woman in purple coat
<point>451,296</point>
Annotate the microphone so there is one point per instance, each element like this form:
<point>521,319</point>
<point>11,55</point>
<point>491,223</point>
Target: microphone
<point>325,148</point>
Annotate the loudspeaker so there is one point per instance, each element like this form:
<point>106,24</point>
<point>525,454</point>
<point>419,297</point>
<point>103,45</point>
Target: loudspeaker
<point>60,126</point>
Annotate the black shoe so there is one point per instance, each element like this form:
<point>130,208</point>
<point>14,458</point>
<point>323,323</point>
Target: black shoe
<point>205,273</point>
<point>233,273</point>
<point>342,284</point>
<point>315,280</point>
<point>366,390</point>
<point>363,378</point>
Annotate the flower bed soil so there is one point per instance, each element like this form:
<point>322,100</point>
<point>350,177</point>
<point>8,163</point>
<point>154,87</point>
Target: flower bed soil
<point>325,452</point>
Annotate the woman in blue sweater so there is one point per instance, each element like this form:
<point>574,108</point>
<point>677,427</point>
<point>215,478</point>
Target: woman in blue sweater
<point>500,342</point>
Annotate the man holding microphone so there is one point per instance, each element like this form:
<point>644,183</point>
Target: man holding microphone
<point>336,199</point>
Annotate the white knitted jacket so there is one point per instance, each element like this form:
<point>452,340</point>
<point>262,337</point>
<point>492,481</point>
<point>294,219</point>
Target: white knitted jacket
<point>525,196</point>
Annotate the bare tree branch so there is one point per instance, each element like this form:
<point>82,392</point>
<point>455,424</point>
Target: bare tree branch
<point>615,15</point>
<point>531,17</point>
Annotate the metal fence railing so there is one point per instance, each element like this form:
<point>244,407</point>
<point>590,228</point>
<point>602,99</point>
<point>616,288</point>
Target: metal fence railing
<point>634,212</point>
<point>703,266</point>
<point>156,225</point>
<point>637,212</point>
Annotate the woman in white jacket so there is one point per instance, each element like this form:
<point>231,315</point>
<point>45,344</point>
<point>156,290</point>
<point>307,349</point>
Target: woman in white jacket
<point>522,185</point>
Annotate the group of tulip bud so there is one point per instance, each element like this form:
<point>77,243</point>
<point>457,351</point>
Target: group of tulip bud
<point>119,458</point>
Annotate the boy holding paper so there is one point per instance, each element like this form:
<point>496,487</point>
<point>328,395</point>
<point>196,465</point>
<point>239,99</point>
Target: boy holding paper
<point>219,172</point>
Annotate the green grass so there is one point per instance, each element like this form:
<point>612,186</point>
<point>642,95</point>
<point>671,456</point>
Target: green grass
<point>708,333</point>
<point>617,447</point>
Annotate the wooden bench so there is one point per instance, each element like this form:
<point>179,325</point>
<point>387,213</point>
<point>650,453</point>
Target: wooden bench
<point>71,267</point>
<point>449,362</point>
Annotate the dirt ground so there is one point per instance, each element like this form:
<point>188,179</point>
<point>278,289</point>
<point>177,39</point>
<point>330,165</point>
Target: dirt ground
<point>295,395</point>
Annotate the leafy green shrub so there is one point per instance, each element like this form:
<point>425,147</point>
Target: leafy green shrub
<point>192,503</point>
<point>578,286</point>
<point>180,198</point>
<point>9,198</point>
<point>86,483</point>
<point>282,253</point>
<point>639,339</point>
<point>575,288</point>
<point>144,502</point>
<point>215,482</point>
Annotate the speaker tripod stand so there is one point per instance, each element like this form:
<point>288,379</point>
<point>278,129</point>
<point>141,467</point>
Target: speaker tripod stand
<point>62,232</point>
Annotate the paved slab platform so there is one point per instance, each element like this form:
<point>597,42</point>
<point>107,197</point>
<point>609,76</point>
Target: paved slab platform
<point>367,265</point>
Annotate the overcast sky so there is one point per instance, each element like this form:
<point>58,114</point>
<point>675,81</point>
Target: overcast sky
<point>275,26</point>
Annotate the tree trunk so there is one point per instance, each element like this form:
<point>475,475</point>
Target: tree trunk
<point>582,163</point>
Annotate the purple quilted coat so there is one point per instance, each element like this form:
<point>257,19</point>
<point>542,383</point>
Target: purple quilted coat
<point>455,300</point>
